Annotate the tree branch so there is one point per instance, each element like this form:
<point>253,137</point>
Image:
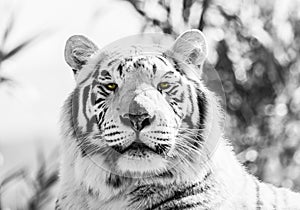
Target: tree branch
<point>205,5</point>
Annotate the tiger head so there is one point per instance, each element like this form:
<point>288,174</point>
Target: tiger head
<point>139,113</point>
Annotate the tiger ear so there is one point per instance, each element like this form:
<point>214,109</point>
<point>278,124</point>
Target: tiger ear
<point>190,47</point>
<point>78,50</point>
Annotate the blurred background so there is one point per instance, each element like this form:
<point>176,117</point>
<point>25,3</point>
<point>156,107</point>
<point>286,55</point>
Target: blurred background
<point>254,46</point>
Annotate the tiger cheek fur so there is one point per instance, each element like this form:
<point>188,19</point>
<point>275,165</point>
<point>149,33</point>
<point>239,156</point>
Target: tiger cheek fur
<point>143,132</point>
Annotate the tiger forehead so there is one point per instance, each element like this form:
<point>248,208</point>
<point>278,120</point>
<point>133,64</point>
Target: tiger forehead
<point>146,64</point>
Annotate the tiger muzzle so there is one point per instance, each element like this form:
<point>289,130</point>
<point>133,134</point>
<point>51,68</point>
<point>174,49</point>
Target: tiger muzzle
<point>138,147</point>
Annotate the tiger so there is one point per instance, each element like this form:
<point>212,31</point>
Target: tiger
<point>141,131</point>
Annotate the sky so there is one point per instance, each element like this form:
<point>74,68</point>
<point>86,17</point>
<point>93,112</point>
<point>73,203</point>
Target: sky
<point>30,107</point>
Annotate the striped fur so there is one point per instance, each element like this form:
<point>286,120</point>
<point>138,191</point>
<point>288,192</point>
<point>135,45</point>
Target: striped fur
<point>174,156</point>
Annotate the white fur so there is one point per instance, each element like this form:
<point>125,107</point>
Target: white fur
<point>142,165</point>
<point>83,179</point>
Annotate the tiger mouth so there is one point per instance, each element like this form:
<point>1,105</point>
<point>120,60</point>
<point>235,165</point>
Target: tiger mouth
<point>138,149</point>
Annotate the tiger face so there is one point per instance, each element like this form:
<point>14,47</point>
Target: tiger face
<point>138,114</point>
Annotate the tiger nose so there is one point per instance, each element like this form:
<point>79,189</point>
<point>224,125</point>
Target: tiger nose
<point>137,121</point>
<point>138,117</point>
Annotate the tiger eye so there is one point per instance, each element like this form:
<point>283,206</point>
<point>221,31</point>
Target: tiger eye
<point>111,86</point>
<point>163,85</point>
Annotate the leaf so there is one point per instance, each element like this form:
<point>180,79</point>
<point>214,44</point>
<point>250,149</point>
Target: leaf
<point>187,4</point>
<point>8,30</point>
<point>51,180</point>
<point>12,176</point>
<point>229,17</point>
<point>137,6</point>
<point>1,56</point>
<point>205,5</point>
<point>4,79</point>
<point>18,48</point>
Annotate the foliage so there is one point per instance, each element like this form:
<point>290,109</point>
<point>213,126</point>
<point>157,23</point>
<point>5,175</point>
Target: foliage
<point>20,189</point>
<point>8,54</point>
<point>255,49</point>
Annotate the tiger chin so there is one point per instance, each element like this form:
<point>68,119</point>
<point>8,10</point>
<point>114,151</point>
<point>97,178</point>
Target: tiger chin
<point>141,132</point>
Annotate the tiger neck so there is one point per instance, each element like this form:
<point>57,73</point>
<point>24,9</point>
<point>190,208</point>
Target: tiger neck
<point>210,189</point>
<point>218,179</point>
<point>174,195</point>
